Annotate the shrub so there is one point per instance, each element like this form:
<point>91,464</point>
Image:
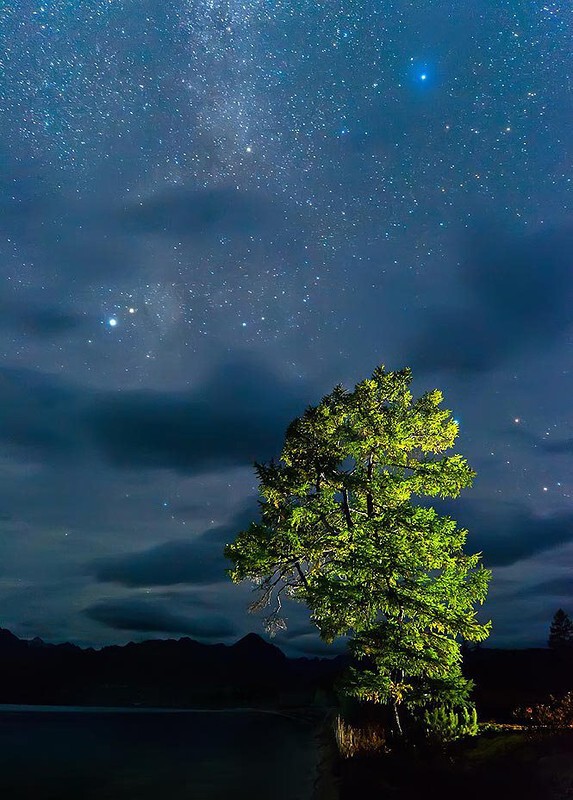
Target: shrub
<point>443,724</point>
<point>556,713</point>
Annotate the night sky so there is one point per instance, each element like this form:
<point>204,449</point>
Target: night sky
<point>211,213</point>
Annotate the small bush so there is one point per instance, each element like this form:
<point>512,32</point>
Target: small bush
<point>355,740</point>
<point>443,724</point>
<point>556,713</point>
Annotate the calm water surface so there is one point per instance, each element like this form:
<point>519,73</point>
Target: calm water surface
<point>107,755</point>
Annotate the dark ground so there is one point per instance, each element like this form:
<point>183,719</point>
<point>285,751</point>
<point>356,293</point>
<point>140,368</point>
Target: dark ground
<point>506,765</point>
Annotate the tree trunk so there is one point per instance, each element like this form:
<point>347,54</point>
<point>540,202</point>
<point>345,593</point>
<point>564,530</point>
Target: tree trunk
<point>346,509</point>
<point>397,724</point>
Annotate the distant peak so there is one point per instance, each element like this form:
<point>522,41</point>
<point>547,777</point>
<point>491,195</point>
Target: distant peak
<point>6,634</point>
<point>254,642</point>
<point>7,639</point>
<point>251,638</point>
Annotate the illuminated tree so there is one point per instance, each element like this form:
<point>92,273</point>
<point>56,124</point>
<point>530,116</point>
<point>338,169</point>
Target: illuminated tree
<point>339,531</point>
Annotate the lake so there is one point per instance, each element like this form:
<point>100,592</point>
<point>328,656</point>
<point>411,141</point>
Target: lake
<point>108,754</point>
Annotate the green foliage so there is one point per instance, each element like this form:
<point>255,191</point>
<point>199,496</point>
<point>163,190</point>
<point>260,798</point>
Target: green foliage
<point>561,632</point>
<point>339,531</point>
<point>444,724</point>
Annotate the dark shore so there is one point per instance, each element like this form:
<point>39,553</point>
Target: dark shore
<point>492,766</point>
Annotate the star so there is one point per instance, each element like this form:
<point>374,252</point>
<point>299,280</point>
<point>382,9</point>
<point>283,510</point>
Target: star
<point>306,195</point>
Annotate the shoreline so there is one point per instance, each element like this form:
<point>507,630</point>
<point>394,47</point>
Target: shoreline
<point>326,783</point>
<point>29,708</point>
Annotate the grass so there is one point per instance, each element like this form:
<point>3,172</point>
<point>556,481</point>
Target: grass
<point>352,740</point>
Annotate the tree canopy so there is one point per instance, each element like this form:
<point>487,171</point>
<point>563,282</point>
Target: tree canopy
<point>561,632</point>
<point>340,530</point>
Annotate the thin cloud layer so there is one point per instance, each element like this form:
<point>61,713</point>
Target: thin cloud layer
<point>143,616</point>
<point>556,587</point>
<point>188,213</point>
<point>196,561</point>
<point>40,322</point>
<point>516,294</point>
<point>236,416</point>
<point>507,533</point>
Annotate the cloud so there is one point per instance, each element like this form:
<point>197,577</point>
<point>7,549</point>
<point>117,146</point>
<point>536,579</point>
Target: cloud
<point>185,212</point>
<point>507,533</point>
<point>548,446</point>
<point>65,233</point>
<point>165,565</point>
<point>556,587</point>
<point>312,645</point>
<point>542,445</point>
<point>563,447</point>
<point>519,291</point>
<point>39,322</point>
<point>75,242</point>
<point>199,560</point>
<point>303,638</point>
<point>236,416</point>
<point>138,615</point>
<point>65,236</point>
<point>38,413</point>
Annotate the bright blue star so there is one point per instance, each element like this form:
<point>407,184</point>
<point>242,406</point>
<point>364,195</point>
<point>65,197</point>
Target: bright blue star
<point>112,322</point>
<point>422,72</point>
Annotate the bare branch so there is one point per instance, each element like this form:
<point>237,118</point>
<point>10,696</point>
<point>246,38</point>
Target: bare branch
<point>301,574</point>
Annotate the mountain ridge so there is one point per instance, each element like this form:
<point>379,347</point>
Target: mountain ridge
<point>164,672</point>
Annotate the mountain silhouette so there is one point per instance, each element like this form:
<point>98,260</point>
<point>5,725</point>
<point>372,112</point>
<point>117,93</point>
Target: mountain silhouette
<point>159,672</point>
